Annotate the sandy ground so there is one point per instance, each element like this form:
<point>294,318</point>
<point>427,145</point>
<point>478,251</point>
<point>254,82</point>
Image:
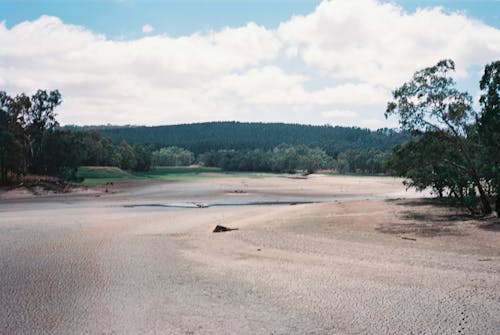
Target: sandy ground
<point>120,262</point>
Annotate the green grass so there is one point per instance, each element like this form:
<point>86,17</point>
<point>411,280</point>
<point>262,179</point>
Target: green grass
<point>93,175</point>
<point>165,170</point>
<point>97,181</point>
<point>178,172</point>
<point>101,172</point>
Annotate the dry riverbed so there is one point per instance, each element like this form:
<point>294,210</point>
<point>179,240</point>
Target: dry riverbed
<point>322,255</point>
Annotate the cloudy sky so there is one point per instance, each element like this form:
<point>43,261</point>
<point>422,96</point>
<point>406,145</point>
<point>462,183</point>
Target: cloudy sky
<point>168,62</point>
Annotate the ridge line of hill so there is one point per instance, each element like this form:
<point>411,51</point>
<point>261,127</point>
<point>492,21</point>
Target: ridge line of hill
<point>206,136</point>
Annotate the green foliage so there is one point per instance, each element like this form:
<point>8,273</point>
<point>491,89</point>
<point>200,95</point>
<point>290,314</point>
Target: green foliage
<point>488,130</point>
<point>283,158</point>
<point>32,142</point>
<point>25,124</point>
<point>200,138</point>
<point>246,146</point>
<point>144,156</point>
<point>39,120</point>
<point>429,161</point>
<point>431,102</point>
<point>445,152</point>
<point>70,174</point>
<point>7,141</point>
<point>369,161</point>
<point>127,154</point>
<point>173,156</point>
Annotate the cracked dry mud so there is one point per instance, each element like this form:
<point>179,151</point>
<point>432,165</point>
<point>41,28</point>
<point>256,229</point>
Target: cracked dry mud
<point>80,264</point>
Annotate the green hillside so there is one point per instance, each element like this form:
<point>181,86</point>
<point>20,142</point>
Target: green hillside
<point>204,137</point>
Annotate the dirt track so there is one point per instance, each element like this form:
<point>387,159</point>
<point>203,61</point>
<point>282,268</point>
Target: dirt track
<point>85,263</point>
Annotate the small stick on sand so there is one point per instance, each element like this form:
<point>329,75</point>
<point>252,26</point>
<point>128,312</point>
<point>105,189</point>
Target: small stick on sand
<point>408,238</point>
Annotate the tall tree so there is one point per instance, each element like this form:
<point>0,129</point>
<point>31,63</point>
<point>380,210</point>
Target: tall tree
<point>430,102</point>
<point>6,136</point>
<point>39,119</point>
<point>12,144</point>
<point>489,126</point>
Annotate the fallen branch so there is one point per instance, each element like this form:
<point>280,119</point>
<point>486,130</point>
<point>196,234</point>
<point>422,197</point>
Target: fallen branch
<point>221,229</point>
<point>408,238</point>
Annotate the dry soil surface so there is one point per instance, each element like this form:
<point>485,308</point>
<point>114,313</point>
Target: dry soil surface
<point>142,259</point>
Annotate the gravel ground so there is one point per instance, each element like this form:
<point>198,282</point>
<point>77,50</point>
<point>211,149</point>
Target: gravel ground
<point>86,264</point>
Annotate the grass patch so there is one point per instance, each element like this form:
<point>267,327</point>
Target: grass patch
<point>97,181</point>
<point>94,175</point>
<point>102,172</point>
<point>171,170</point>
<point>178,172</point>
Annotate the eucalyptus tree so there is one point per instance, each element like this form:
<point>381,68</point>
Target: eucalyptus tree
<point>39,119</point>
<point>488,125</point>
<point>430,102</point>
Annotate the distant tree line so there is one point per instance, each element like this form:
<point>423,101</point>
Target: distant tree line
<point>368,161</point>
<point>283,158</point>
<point>200,138</point>
<point>453,149</point>
<point>31,141</point>
<point>229,144</point>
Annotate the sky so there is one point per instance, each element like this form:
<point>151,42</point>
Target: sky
<point>158,62</point>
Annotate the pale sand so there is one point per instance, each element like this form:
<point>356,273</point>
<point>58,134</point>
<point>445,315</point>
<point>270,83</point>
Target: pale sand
<point>83,263</point>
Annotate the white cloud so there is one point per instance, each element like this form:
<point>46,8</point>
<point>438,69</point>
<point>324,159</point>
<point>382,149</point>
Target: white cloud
<point>339,114</point>
<point>372,123</point>
<point>337,64</point>
<point>147,28</point>
<point>379,43</point>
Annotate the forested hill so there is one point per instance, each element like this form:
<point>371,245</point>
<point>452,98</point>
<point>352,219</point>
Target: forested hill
<point>203,137</point>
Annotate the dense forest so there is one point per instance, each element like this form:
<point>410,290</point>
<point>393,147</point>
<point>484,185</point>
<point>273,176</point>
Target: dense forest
<point>204,137</point>
<point>241,146</point>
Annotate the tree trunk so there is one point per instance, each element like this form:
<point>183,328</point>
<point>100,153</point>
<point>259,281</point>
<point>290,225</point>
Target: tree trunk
<point>497,202</point>
<point>3,168</point>
<point>485,202</point>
